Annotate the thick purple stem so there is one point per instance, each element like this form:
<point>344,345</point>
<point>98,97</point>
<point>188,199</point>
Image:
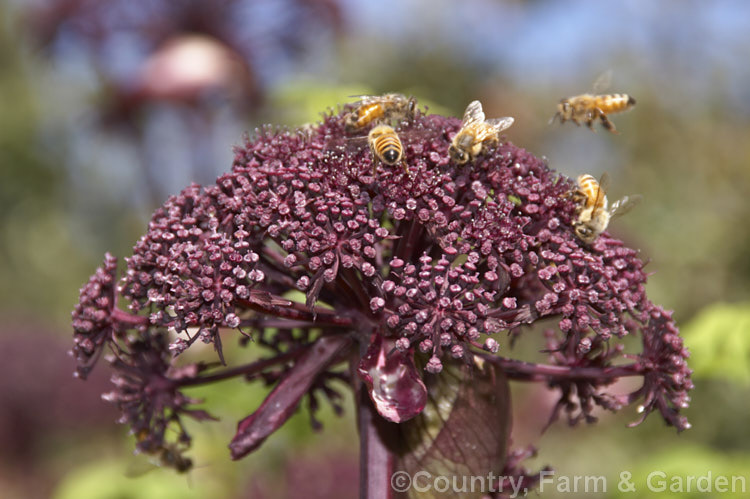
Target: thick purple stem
<point>376,460</point>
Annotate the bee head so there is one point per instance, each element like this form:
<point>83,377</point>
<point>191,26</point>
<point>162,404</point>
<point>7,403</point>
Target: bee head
<point>411,106</point>
<point>458,155</point>
<point>584,233</point>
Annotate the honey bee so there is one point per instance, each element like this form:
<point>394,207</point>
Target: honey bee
<point>593,212</point>
<point>476,134</point>
<point>378,108</point>
<point>171,457</point>
<point>587,108</point>
<point>167,456</point>
<point>385,145</point>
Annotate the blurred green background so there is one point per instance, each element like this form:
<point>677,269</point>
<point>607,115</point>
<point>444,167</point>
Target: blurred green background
<point>108,107</point>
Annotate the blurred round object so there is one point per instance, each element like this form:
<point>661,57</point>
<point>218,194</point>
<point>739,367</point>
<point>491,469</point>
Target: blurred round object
<point>188,67</point>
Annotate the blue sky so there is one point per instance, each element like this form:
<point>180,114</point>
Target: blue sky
<point>697,42</point>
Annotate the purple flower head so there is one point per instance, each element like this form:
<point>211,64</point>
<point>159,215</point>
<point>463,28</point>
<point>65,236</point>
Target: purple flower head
<point>335,263</point>
<point>93,319</point>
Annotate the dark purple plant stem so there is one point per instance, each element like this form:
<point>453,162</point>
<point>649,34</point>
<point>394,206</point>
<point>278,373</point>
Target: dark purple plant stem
<point>529,371</point>
<point>126,319</point>
<point>245,370</point>
<point>297,311</point>
<point>376,460</point>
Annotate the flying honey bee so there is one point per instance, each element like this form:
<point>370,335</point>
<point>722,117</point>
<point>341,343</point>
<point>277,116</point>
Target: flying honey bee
<point>379,108</point>
<point>476,134</point>
<point>587,108</point>
<point>167,456</point>
<point>385,145</point>
<point>171,457</point>
<point>593,213</point>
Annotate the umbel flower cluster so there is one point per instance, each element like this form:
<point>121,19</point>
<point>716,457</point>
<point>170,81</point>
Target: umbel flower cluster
<point>347,271</point>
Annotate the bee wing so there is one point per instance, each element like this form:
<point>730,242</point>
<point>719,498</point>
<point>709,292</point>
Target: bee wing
<point>345,144</point>
<point>366,99</point>
<point>490,128</point>
<point>355,143</point>
<point>500,124</point>
<point>603,81</point>
<point>139,466</point>
<point>473,113</point>
<point>604,182</point>
<point>624,205</point>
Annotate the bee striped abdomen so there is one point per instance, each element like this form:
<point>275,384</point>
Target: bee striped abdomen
<point>385,144</point>
<point>588,186</point>
<point>614,103</point>
<point>369,113</point>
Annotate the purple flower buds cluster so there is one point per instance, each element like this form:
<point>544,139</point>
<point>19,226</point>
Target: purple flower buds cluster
<point>327,257</point>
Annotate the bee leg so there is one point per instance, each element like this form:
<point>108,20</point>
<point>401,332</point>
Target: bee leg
<point>490,144</point>
<point>374,162</point>
<point>608,125</point>
<point>579,200</point>
<point>406,169</point>
<point>576,196</point>
<point>590,117</point>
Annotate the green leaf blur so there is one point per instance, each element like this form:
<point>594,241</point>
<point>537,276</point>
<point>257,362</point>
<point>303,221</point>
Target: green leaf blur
<point>719,342</point>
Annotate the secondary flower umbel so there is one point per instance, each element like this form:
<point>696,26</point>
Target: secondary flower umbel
<point>403,273</point>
